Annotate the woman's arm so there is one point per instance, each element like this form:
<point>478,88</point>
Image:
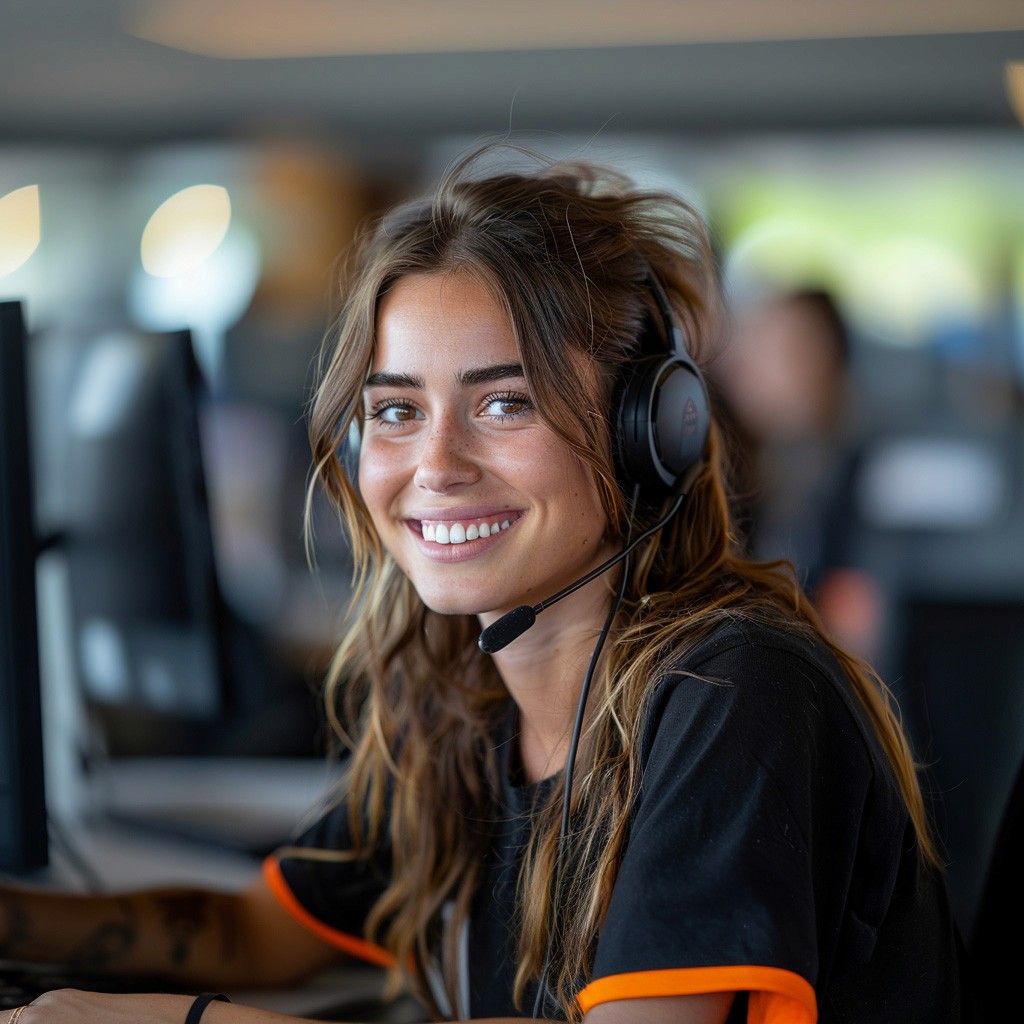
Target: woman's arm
<point>192,937</point>
<point>71,1007</point>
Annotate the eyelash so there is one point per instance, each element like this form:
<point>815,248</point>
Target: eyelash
<point>507,397</point>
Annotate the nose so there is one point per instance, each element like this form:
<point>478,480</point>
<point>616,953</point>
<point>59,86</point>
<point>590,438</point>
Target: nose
<point>446,460</point>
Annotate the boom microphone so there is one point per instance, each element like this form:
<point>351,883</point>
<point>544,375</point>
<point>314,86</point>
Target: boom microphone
<point>514,624</point>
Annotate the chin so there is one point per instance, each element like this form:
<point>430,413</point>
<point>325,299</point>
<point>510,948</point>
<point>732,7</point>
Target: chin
<point>452,604</point>
<point>448,604</point>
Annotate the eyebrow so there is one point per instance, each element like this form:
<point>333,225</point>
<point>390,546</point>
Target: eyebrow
<point>472,376</point>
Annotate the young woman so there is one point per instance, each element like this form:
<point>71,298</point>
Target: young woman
<point>655,792</point>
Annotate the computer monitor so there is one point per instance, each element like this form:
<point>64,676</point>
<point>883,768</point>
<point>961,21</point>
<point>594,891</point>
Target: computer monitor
<point>122,498</point>
<point>23,830</point>
<point>171,703</point>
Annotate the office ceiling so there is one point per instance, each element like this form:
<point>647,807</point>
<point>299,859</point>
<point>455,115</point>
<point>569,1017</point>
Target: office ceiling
<point>400,72</point>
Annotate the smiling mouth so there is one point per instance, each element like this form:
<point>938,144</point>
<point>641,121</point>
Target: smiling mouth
<point>462,533</point>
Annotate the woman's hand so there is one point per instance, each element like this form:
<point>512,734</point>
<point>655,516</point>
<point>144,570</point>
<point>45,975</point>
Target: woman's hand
<point>72,1006</point>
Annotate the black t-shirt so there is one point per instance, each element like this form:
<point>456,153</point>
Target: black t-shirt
<point>769,853</point>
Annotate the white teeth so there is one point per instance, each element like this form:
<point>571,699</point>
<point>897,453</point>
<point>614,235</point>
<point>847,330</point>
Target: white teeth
<point>457,533</point>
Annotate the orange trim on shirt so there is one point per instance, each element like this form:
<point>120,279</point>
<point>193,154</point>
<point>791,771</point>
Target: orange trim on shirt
<point>341,940</point>
<point>776,996</point>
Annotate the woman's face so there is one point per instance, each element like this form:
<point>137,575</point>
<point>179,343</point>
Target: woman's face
<point>479,502</point>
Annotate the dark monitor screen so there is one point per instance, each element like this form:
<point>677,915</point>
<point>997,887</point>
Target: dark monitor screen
<point>23,831</point>
<point>122,495</point>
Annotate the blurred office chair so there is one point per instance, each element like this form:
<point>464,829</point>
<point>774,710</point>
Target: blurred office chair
<point>995,946</point>
<point>960,681</point>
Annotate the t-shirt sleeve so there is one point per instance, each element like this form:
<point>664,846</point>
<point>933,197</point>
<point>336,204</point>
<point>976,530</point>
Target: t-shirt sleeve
<point>325,888</point>
<point>718,888</point>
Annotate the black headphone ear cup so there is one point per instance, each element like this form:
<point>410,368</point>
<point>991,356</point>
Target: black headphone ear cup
<point>661,427</point>
<point>348,453</point>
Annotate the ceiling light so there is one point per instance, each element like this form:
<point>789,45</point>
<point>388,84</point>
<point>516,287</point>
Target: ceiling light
<point>19,227</point>
<point>185,230</point>
<point>1015,87</point>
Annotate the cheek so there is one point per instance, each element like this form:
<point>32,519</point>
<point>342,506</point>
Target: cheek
<point>574,487</point>
<point>379,483</point>
<point>380,477</point>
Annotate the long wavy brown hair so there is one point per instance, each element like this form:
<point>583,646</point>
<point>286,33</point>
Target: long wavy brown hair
<point>566,249</point>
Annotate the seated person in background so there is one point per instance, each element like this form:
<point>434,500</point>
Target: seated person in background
<point>669,799</point>
<point>785,377</point>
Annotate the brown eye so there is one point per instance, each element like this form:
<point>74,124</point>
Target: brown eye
<point>507,406</point>
<point>395,412</point>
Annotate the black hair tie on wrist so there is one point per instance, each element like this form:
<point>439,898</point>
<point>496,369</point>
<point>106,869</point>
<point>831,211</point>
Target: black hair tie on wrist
<point>200,1003</point>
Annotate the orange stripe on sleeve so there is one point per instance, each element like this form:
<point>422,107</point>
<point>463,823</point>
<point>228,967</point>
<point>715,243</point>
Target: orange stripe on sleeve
<point>351,944</point>
<point>776,996</point>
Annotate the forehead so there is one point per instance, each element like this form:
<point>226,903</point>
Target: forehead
<point>435,319</point>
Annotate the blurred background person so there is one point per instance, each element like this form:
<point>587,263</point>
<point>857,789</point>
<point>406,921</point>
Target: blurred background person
<point>786,379</point>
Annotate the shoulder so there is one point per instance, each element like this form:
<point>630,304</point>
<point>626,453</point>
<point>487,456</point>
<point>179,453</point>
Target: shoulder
<point>777,693</point>
<point>742,642</point>
<point>759,730</point>
<point>743,658</point>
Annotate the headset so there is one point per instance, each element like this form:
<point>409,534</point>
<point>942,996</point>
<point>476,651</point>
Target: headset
<point>662,410</point>
<point>660,423</point>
